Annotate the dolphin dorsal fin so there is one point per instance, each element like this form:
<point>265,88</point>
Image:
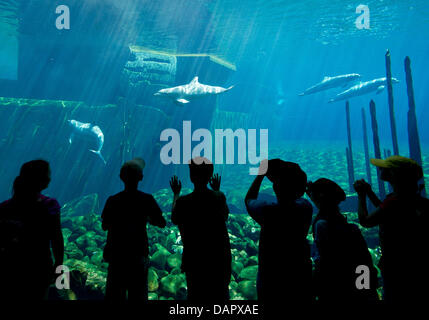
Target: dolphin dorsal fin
<point>195,80</point>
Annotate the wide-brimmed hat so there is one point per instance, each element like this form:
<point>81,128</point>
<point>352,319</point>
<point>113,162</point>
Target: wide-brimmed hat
<point>329,188</point>
<point>279,169</point>
<point>404,166</point>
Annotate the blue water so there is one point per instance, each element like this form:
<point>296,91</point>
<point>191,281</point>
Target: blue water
<point>275,47</point>
<point>269,50</point>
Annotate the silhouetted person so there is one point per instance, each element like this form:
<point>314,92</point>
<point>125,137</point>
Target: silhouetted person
<point>403,218</point>
<point>340,248</point>
<point>125,217</point>
<point>201,217</point>
<point>284,253</point>
<point>30,224</point>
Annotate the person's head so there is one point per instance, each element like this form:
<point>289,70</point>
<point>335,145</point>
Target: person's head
<point>289,181</point>
<point>33,177</point>
<point>200,171</point>
<point>401,172</point>
<point>132,172</point>
<point>325,193</point>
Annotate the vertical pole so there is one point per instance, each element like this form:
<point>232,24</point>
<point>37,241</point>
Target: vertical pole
<point>349,150</point>
<point>413,133</point>
<point>388,153</point>
<point>377,152</point>
<point>349,170</point>
<point>391,104</point>
<point>366,148</point>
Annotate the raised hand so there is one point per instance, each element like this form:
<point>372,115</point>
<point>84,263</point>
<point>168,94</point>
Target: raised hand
<point>362,187</point>
<point>175,185</point>
<point>215,182</point>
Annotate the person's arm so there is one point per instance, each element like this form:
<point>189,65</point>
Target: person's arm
<point>373,198</point>
<point>105,215</point>
<point>224,206</point>
<point>176,187</point>
<point>367,220</point>
<point>155,217</point>
<point>252,194</point>
<point>321,238</point>
<point>57,241</point>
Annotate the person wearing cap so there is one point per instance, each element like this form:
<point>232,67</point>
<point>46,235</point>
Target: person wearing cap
<point>340,248</point>
<point>284,271</point>
<point>125,217</point>
<point>403,220</point>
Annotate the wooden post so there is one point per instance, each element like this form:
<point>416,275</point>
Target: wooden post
<point>413,133</point>
<point>377,152</point>
<point>349,150</point>
<point>391,105</point>
<point>366,148</point>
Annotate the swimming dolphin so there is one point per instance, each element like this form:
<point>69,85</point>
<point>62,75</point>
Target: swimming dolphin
<point>332,82</point>
<point>89,132</point>
<point>362,88</point>
<point>184,93</point>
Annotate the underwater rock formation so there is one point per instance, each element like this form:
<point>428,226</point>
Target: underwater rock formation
<point>84,242</point>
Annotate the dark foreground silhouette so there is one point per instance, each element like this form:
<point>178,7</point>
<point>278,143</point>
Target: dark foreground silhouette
<point>403,220</point>
<point>125,217</point>
<point>341,249</point>
<point>29,226</point>
<point>284,254</point>
<point>201,217</point>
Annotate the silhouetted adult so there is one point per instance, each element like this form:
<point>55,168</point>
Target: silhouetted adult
<point>340,250</point>
<point>284,253</point>
<point>201,217</point>
<point>125,217</point>
<point>403,218</point>
<point>30,224</point>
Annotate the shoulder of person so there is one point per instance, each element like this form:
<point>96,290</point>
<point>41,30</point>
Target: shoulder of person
<point>115,196</point>
<point>183,199</point>
<point>424,201</point>
<point>51,203</point>
<point>5,204</point>
<point>320,226</point>
<point>389,202</point>
<point>219,194</point>
<point>321,223</point>
<point>146,196</point>
<point>304,203</point>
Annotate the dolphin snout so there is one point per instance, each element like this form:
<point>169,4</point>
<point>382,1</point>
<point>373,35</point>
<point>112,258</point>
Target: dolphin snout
<point>157,94</point>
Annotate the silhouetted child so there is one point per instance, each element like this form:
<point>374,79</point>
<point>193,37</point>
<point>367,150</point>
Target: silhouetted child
<point>340,248</point>
<point>284,253</point>
<point>403,218</point>
<point>201,217</point>
<point>125,217</point>
<point>30,224</point>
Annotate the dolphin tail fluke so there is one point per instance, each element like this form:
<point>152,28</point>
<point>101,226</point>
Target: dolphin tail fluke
<point>98,153</point>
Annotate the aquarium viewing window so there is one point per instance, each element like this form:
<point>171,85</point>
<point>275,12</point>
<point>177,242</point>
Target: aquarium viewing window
<point>260,154</point>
